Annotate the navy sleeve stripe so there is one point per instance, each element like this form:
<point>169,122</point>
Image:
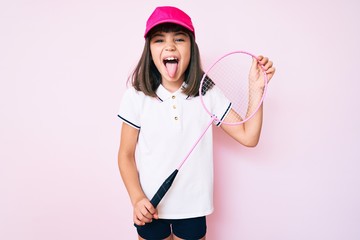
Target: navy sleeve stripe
<point>225,113</point>
<point>132,124</point>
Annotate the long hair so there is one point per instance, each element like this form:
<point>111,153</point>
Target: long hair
<point>146,78</point>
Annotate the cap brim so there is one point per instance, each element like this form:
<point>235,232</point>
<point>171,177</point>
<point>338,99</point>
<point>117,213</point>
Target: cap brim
<point>169,21</point>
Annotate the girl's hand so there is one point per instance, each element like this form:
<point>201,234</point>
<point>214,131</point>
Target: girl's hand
<point>144,212</point>
<point>256,72</point>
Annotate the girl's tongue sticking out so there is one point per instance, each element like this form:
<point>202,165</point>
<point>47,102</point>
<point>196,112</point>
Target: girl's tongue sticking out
<point>171,65</point>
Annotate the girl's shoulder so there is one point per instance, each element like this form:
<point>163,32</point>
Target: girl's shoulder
<point>133,93</point>
<point>136,97</point>
<point>213,92</point>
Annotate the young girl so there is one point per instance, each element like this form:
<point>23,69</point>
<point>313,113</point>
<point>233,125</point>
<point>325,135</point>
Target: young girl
<point>162,116</point>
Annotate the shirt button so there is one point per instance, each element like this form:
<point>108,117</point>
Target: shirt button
<point>174,106</point>
<point>173,97</point>
<point>176,118</point>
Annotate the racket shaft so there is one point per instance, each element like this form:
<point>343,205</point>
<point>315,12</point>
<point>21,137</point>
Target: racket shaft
<point>163,189</point>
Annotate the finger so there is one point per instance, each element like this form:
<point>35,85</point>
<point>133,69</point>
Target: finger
<point>259,58</point>
<point>143,219</point>
<point>268,65</point>
<point>270,73</point>
<point>145,215</point>
<point>142,215</point>
<point>270,70</point>
<point>263,60</point>
<point>154,212</point>
<point>150,207</point>
<point>137,221</point>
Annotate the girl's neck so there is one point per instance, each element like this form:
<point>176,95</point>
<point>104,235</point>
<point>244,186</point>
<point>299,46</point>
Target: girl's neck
<point>172,86</point>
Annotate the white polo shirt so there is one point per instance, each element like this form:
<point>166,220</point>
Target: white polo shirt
<point>169,126</point>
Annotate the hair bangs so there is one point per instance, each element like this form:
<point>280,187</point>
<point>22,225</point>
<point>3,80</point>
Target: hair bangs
<point>168,27</point>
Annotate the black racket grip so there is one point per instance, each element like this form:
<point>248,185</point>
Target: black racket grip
<point>163,189</point>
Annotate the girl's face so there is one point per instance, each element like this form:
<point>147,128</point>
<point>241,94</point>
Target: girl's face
<point>171,55</point>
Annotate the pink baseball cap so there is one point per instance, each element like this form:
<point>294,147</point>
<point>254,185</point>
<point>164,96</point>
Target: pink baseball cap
<point>167,14</point>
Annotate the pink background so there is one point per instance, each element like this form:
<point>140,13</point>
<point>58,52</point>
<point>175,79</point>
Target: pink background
<point>63,67</point>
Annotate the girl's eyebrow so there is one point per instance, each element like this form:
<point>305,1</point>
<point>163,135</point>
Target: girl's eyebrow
<point>157,34</point>
<point>180,33</point>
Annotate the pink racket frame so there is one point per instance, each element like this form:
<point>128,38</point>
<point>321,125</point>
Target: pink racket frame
<point>213,117</point>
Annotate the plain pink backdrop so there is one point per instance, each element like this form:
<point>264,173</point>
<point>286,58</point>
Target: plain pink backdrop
<point>63,67</point>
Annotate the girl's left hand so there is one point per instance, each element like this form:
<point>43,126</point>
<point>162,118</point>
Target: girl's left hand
<point>256,71</point>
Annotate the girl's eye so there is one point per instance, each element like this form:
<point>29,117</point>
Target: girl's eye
<point>179,40</point>
<point>158,40</point>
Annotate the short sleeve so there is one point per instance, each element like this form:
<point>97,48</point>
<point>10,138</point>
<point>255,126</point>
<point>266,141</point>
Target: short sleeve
<point>220,104</point>
<point>129,111</point>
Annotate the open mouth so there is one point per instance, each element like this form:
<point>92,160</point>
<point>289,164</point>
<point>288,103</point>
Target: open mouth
<point>171,60</point>
<point>171,64</point>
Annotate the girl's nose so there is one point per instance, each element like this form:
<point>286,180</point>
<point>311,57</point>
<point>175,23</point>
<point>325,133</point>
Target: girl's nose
<point>170,47</point>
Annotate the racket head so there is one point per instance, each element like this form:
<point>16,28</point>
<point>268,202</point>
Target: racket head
<point>230,74</point>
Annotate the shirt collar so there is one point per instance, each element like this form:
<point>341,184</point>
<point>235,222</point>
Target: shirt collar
<point>163,94</point>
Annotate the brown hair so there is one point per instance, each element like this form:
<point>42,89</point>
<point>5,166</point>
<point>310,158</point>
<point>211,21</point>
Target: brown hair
<point>146,78</point>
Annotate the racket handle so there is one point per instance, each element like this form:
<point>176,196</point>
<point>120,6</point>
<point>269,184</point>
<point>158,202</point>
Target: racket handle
<point>163,189</point>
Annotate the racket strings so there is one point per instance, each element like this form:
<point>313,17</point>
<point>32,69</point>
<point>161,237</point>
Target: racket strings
<point>231,75</point>
<point>206,85</point>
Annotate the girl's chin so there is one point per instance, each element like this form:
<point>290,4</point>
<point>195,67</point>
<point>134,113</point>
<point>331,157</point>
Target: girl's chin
<point>174,79</point>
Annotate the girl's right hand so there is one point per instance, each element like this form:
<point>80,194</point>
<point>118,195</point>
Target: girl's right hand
<point>144,212</point>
